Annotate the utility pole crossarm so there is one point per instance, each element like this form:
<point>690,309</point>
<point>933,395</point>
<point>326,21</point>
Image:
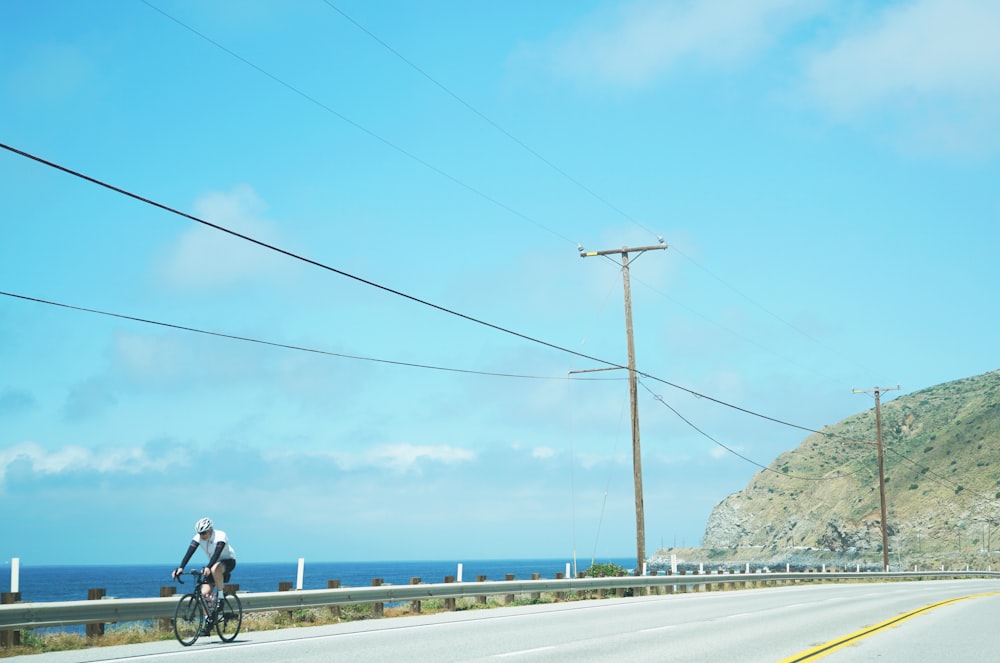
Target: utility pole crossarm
<point>624,249</point>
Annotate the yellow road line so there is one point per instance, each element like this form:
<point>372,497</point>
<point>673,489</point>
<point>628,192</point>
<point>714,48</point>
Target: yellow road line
<point>819,652</point>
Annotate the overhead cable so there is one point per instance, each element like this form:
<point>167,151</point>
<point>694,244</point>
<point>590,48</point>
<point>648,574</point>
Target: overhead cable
<point>565,174</point>
<point>296,256</point>
<point>483,116</point>
<point>765,468</point>
<point>286,346</point>
<point>364,281</point>
<point>357,125</point>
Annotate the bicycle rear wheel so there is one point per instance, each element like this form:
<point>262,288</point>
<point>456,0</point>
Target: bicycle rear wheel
<point>188,619</point>
<point>229,618</point>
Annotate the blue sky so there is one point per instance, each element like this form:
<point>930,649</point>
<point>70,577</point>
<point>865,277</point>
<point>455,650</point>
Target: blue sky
<point>824,174</point>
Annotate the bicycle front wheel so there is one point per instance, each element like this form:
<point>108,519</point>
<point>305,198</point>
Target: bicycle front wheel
<point>188,619</point>
<point>230,618</point>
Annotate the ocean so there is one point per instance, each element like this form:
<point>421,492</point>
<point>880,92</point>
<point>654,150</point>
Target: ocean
<point>71,583</point>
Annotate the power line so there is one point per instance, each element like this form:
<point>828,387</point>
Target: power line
<point>758,304</point>
<point>483,116</point>
<point>456,180</point>
<point>296,256</point>
<point>724,328</point>
<point>559,170</point>
<point>361,127</point>
<point>274,344</point>
<point>373,284</point>
<point>735,407</point>
<point>765,468</point>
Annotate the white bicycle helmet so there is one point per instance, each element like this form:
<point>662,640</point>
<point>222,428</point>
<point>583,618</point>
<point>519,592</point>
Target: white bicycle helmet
<point>203,525</point>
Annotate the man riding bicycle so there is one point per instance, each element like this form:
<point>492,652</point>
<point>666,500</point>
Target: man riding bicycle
<point>221,558</point>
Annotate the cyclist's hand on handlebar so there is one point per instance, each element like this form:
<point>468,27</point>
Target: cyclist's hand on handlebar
<point>179,570</point>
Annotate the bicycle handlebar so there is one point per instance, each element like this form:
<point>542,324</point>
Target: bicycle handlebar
<point>197,574</point>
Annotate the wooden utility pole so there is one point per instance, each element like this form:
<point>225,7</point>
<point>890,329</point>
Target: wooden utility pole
<point>881,469</point>
<point>640,519</point>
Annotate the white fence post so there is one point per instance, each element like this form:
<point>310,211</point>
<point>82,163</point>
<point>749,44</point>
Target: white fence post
<point>458,575</point>
<point>15,574</point>
<point>298,577</point>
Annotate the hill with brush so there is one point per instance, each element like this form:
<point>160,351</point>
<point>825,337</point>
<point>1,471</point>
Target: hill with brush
<point>942,481</point>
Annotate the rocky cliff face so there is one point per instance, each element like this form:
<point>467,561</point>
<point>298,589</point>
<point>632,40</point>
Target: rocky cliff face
<point>942,460</point>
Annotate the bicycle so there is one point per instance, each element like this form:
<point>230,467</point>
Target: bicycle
<point>193,618</point>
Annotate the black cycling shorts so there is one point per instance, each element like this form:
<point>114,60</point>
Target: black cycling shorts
<point>227,569</point>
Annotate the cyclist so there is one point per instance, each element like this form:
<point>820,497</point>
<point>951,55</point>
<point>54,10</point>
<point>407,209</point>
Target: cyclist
<point>221,558</point>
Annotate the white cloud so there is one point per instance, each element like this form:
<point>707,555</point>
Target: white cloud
<point>397,458</point>
<point>203,257</point>
<point>77,459</point>
<point>405,457</point>
<point>543,452</point>
<point>633,44</point>
<point>716,452</point>
<point>931,66</point>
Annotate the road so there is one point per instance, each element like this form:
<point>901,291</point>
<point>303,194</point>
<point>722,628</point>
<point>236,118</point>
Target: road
<point>902,621</point>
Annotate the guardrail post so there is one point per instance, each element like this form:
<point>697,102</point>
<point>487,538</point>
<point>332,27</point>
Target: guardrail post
<point>165,623</point>
<point>378,608</point>
<point>334,609</point>
<point>508,598</point>
<point>656,590</point>
<point>10,638</point>
<point>449,604</point>
<point>560,596</point>
<point>284,586</point>
<point>287,587</point>
<point>95,630</point>
<point>683,588</point>
<point>536,596</point>
<point>481,599</point>
<point>415,605</point>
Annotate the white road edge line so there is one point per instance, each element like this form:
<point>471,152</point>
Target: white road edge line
<point>523,652</point>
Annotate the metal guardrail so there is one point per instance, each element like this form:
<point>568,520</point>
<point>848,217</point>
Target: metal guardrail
<point>19,616</point>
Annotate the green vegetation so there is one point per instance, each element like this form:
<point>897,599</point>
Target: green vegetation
<point>608,570</point>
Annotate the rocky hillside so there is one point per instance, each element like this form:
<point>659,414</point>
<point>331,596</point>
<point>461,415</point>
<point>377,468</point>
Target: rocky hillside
<point>942,460</point>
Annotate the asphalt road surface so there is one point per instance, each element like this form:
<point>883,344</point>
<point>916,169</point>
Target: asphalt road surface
<point>952,621</point>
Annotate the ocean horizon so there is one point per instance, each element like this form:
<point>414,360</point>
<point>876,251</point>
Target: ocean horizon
<point>47,583</point>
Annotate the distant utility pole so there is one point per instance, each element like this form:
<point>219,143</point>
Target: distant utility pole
<point>881,468</point>
<point>640,524</point>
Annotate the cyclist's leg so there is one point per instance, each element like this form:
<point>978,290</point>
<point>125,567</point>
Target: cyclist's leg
<point>217,576</point>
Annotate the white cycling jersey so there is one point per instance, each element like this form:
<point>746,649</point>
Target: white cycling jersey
<point>208,545</point>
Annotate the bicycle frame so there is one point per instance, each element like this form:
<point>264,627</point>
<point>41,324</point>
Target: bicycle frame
<point>193,618</point>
